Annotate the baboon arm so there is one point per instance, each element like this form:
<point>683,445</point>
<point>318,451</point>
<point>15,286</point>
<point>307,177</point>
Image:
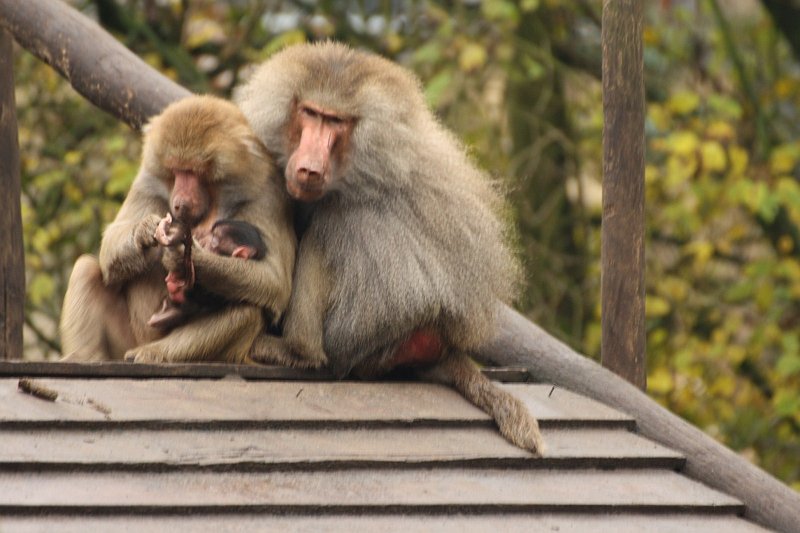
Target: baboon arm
<point>304,327</point>
<point>265,283</point>
<point>128,248</point>
<point>223,336</point>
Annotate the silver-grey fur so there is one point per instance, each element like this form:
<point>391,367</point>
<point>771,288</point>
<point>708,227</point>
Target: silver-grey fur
<point>410,235</point>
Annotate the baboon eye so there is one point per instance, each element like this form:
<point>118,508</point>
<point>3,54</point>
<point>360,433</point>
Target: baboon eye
<point>311,113</point>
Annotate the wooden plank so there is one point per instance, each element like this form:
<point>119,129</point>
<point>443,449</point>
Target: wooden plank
<point>248,450</point>
<point>12,258</point>
<point>622,238</point>
<point>519,342</point>
<point>151,371</point>
<point>197,371</point>
<point>392,523</point>
<point>297,403</point>
<point>360,490</point>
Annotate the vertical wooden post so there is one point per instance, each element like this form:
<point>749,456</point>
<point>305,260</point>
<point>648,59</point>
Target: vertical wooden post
<point>12,263</point>
<point>622,234</point>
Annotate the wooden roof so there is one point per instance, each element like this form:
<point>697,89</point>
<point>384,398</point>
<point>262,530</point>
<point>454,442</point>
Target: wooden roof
<point>284,450</point>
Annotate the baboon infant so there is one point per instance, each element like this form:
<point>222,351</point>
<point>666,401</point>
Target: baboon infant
<point>232,238</point>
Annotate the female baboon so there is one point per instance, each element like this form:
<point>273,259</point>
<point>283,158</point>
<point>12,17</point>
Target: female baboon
<point>201,162</point>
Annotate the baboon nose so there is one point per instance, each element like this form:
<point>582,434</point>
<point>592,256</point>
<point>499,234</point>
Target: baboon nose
<point>308,177</point>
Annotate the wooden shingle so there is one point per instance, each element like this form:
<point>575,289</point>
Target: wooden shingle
<point>199,453</point>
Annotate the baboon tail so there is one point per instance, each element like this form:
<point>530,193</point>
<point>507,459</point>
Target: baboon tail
<point>511,416</point>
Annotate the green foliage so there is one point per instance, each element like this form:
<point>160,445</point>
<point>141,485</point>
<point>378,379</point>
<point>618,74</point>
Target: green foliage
<point>519,83</point>
<point>723,278</point>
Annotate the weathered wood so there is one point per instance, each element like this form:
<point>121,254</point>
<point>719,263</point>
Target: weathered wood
<point>239,403</point>
<point>622,233</point>
<point>187,371</point>
<point>522,343</point>
<point>284,449</point>
<point>198,371</point>
<point>12,259</point>
<point>391,523</point>
<point>358,490</point>
<point>100,68</point>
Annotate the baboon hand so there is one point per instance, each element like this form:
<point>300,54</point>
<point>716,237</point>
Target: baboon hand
<point>145,354</point>
<point>167,234</point>
<point>173,257</point>
<point>144,234</point>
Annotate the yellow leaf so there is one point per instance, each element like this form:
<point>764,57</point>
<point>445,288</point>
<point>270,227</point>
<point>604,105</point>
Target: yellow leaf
<point>201,30</point>
<point>650,36</point>
<point>785,244</point>
<point>683,102</point>
<point>721,131</point>
<point>702,251</point>
<point>739,160</point>
<point>472,56</point>
<point>784,87</point>
<point>683,142</point>
<point>713,156</point>
<point>736,354</point>
<point>765,296</point>
<point>655,306</point>
<point>72,157</point>
<point>660,381</point>
<point>41,288</point>
<point>41,240</point>
<point>783,159</point>
<point>659,116</point>
<point>676,289</point>
<point>394,42</point>
<point>73,192</point>
<point>651,173</point>
<point>723,386</point>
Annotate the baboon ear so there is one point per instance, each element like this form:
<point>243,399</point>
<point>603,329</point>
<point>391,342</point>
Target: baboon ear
<point>243,252</point>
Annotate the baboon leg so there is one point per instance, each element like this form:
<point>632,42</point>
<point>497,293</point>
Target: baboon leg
<point>95,324</point>
<point>272,350</point>
<point>511,416</point>
<point>226,336</point>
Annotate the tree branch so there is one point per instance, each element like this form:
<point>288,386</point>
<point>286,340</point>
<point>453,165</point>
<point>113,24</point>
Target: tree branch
<point>96,65</point>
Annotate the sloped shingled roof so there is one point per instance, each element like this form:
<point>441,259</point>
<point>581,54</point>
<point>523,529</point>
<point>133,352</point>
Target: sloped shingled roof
<point>213,454</point>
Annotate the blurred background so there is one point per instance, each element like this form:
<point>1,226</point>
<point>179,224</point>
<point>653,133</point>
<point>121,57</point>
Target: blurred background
<point>519,81</point>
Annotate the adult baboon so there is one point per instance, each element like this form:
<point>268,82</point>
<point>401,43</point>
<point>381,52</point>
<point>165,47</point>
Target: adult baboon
<point>202,162</point>
<point>404,260</point>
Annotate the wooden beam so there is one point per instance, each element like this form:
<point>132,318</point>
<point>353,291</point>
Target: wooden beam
<point>195,371</point>
<point>12,255</point>
<point>622,235</point>
<point>522,343</point>
<point>97,65</point>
